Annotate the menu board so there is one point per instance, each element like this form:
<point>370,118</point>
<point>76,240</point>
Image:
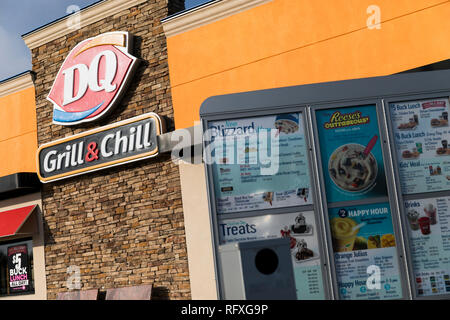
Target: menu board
<point>252,171</point>
<point>18,272</point>
<point>429,235</point>
<point>301,229</point>
<point>351,154</point>
<point>421,135</point>
<point>365,252</point>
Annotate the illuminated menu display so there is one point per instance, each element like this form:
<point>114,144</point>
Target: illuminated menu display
<point>259,163</point>
<point>350,148</point>
<point>363,239</point>
<point>422,134</point>
<point>300,229</point>
<point>429,234</point>
<point>365,252</point>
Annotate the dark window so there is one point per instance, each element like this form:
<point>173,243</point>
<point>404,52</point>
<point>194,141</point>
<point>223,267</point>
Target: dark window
<point>18,280</point>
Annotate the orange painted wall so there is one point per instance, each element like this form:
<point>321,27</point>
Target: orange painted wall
<point>294,42</point>
<point>18,135</point>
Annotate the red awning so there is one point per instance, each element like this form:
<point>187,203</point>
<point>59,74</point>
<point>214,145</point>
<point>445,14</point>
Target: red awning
<point>12,220</point>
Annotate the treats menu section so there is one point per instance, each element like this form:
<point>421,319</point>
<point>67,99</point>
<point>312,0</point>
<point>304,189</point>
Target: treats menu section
<point>422,136</point>
<point>301,229</point>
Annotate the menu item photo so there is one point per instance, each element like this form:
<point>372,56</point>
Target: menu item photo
<point>351,169</point>
<point>442,121</point>
<point>344,231</point>
<point>301,227</point>
<point>411,124</point>
<point>302,252</point>
<point>444,150</point>
<point>422,218</point>
<point>414,154</point>
<point>287,123</point>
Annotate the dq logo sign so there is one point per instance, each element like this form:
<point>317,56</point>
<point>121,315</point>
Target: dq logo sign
<point>92,78</point>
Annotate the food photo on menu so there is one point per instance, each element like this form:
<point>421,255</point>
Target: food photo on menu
<point>363,231</point>
<point>351,153</point>
<point>422,218</point>
<point>287,123</point>
<point>296,233</point>
<point>352,167</point>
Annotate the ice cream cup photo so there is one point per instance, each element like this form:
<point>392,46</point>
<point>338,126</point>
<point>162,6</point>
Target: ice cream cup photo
<point>352,170</point>
<point>424,224</point>
<point>344,232</point>
<point>268,197</point>
<point>413,218</point>
<point>287,123</point>
<point>430,211</point>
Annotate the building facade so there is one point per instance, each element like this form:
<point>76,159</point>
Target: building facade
<point>121,227</point>
<point>21,230</point>
<point>228,47</point>
<point>113,217</point>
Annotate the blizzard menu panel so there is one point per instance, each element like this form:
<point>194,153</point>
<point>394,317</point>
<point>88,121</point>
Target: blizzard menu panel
<point>259,163</point>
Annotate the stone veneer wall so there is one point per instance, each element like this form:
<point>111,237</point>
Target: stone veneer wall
<point>122,226</point>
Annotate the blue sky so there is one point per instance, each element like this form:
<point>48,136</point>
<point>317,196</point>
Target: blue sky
<point>21,16</point>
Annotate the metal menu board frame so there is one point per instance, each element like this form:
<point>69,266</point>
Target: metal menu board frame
<point>390,197</point>
<point>414,196</point>
<point>312,97</point>
<point>215,217</point>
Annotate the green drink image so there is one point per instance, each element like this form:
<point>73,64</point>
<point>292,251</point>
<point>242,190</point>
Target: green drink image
<point>419,147</point>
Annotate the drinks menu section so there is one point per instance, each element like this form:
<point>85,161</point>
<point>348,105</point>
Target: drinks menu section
<point>429,235</point>
<point>252,171</point>
<point>350,150</point>
<point>421,134</point>
<point>301,229</point>
<point>365,252</point>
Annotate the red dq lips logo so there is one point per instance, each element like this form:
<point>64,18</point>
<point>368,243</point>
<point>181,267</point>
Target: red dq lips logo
<point>92,78</point>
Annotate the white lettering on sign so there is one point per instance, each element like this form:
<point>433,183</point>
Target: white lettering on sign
<point>121,142</point>
<point>374,280</point>
<point>103,150</point>
<point>89,77</point>
<point>50,164</point>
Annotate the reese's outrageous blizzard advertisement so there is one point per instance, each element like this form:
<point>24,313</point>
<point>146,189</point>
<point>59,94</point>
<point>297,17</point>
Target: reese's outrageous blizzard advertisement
<point>350,150</point>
